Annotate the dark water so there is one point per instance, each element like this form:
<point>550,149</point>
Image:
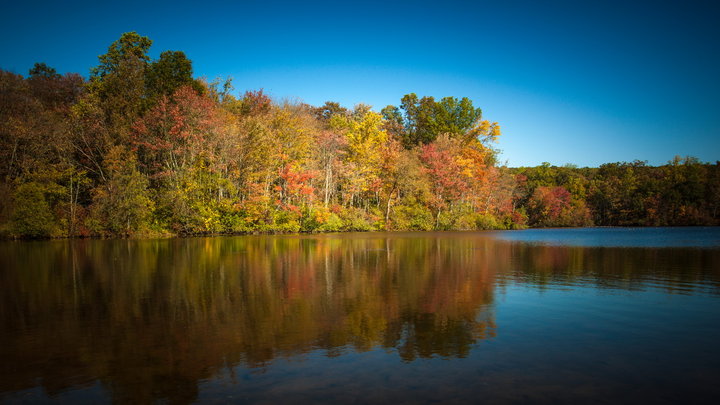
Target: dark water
<point>542,316</point>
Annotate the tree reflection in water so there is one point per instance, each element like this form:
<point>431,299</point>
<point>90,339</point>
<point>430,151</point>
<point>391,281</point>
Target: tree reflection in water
<point>150,319</point>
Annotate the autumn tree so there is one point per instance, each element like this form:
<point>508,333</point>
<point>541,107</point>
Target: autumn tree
<point>330,147</point>
<point>56,92</point>
<point>408,179</point>
<point>365,140</point>
<point>448,181</point>
<point>553,206</point>
<point>330,108</point>
<point>17,107</point>
<point>178,143</point>
<point>34,146</point>
<point>176,131</point>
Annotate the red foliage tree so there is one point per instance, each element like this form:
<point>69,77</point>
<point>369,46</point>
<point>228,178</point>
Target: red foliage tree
<point>180,128</point>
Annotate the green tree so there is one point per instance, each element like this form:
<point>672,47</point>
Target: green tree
<point>393,121</point>
<point>171,71</point>
<point>118,84</point>
<point>122,205</point>
<point>42,70</point>
<point>425,119</point>
<point>130,49</point>
<point>32,216</point>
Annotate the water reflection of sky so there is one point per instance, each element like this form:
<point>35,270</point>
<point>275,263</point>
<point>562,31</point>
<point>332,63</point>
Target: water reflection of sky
<point>702,237</point>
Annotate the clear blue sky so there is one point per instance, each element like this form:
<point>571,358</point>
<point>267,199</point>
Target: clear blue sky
<point>579,82</point>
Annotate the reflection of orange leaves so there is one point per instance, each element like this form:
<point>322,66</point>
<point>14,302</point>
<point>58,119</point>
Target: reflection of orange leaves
<point>312,290</point>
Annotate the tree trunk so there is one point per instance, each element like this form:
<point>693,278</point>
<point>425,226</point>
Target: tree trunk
<point>71,224</point>
<point>328,179</point>
<point>387,209</point>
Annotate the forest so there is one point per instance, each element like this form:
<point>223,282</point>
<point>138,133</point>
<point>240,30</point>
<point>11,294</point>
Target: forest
<point>142,148</point>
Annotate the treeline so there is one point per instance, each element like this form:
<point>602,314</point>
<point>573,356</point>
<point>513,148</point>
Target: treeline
<point>143,148</point>
<point>683,192</point>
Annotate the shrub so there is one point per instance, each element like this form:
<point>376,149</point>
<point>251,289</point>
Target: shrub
<point>413,217</point>
<point>32,215</point>
<point>355,219</point>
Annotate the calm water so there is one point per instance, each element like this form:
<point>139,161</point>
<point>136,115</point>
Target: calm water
<point>600,315</point>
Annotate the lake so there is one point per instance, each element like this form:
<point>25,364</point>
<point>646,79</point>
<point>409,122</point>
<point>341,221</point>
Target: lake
<point>598,315</point>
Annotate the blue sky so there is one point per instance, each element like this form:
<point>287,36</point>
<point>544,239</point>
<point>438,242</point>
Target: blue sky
<point>569,81</point>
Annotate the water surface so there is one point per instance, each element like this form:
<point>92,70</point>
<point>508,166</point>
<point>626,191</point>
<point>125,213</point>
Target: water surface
<point>602,315</point>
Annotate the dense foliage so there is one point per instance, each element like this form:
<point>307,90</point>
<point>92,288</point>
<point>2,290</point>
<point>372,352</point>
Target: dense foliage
<point>143,148</point>
<point>682,192</point>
